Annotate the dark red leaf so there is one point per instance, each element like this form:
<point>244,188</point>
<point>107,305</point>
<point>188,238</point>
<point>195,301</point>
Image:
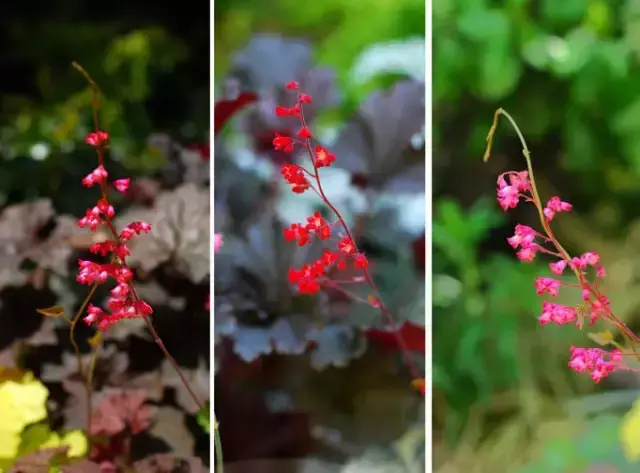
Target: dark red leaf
<point>223,110</point>
<point>204,150</point>
<point>412,334</point>
<point>120,410</point>
<point>418,248</point>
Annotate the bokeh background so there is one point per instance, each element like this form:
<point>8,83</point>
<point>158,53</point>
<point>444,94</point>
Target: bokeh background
<point>567,71</point>
<point>343,402</point>
<point>152,65</point>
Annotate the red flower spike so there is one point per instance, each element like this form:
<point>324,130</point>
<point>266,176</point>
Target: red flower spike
<point>304,133</point>
<point>323,157</point>
<point>346,246</point>
<point>280,142</point>
<point>97,138</point>
<point>297,233</point>
<point>361,261</point>
<point>329,258</point>
<point>293,85</point>
<point>311,277</point>
<point>295,176</point>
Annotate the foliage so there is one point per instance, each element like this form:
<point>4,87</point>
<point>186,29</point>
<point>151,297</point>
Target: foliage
<point>260,320</point>
<point>524,58</point>
<point>565,71</point>
<point>24,428</point>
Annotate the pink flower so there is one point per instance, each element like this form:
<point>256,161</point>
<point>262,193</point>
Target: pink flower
<point>217,242</point>
<point>508,196</point>
<point>549,285</point>
<point>558,267</point>
<point>524,236</point>
<point>598,363</point>
<point>526,255</point>
<point>554,206</point>
<point>124,302</point>
<point>122,185</point>
<point>557,313</point>
<point>96,138</point>
<point>97,176</point>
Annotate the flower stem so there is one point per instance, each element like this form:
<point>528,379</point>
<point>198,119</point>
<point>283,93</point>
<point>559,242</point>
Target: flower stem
<point>383,308</point>
<point>622,328</point>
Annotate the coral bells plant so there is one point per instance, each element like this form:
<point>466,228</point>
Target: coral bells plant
<point>341,251</point>
<point>124,302</point>
<point>516,187</point>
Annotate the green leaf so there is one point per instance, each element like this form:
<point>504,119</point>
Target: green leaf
<point>581,144</point>
<point>565,12</point>
<point>484,25</point>
<point>535,51</point>
<point>204,417</point>
<point>500,71</point>
<point>32,438</point>
<point>569,55</point>
<point>604,338</point>
<point>627,121</point>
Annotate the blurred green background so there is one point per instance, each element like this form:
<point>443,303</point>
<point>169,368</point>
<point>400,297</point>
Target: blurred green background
<point>569,73</point>
<point>151,64</point>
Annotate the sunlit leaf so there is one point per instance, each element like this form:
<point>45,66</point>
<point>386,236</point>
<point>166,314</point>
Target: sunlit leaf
<point>54,311</point>
<point>602,338</point>
<point>21,403</point>
<point>630,433</point>
<point>204,417</point>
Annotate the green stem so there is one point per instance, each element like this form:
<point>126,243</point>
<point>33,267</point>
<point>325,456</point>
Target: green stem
<point>622,328</point>
<point>89,385</point>
<point>218,446</point>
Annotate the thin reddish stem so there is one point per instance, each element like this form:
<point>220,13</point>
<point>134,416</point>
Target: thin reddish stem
<point>383,308</point>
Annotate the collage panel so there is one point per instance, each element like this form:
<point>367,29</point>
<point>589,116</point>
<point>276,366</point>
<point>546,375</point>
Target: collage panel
<point>104,237</point>
<point>319,298</point>
<point>535,227</point>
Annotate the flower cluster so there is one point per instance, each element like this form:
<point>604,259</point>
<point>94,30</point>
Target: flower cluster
<point>598,363</point>
<point>516,186</point>
<point>123,302</point>
<point>343,252</point>
<point>310,277</point>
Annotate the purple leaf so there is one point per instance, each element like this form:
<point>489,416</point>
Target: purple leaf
<point>376,143</point>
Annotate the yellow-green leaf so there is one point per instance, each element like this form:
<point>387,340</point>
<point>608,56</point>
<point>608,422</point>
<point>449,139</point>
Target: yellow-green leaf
<point>33,438</point>
<point>39,437</point>
<point>602,338</point>
<point>54,311</point>
<point>21,403</point>
<point>630,433</point>
<point>77,442</point>
<point>96,339</point>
